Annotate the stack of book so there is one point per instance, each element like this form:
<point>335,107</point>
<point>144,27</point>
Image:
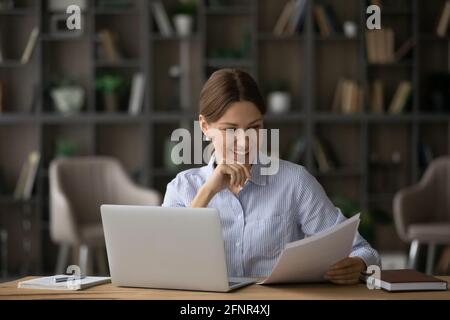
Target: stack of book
<point>162,19</point>
<point>398,102</point>
<point>31,44</point>
<point>444,19</point>
<point>137,94</point>
<point>326,20</point>
<point>348,97</point>
<point>108,42</point>
<point>401,97</point>
<point>291,18</point>
<point>377,96</point>
<point>27,177</point>
<point>324,156</point>
<point>380,46</point>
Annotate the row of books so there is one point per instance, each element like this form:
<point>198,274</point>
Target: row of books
<point>28,50</point>
<point>162,19</point>
<point>399,100</point>
<point>443,20</point>
<point>137,94</point>
<point>324,155</point>
<point>325,20</point>
<point>380,46</point>
<point>109,49</point>
<point>291,18</point>
<point>348,97</point>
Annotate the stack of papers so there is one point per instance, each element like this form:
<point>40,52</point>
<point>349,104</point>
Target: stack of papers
<point>48,283</point>
<point>308,260</point>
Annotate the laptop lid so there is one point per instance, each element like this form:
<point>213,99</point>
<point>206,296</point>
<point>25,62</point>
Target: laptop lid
<point>159,247</point>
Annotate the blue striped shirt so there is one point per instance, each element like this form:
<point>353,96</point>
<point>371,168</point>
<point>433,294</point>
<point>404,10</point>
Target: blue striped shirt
<point>269,212</point>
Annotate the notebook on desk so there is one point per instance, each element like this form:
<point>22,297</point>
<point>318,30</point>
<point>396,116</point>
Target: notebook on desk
<point>48,283</point>
<point>406,280</point>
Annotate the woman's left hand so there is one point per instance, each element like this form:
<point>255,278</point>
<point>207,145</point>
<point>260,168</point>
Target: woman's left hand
<point>346,271</point>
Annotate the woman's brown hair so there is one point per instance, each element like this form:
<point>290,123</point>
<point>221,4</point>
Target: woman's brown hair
<point>225,87</point>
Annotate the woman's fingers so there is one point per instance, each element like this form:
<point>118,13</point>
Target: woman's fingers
<point>346,271</point>
<point>229,171</point>
<point>241,173</point>
<point>337,272</point>
<point>345,276</point>
<point>246,170</point>
<point>344,263</point>
<point>237,172</point>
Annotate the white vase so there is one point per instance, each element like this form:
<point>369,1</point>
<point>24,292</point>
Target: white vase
<point>350,29</point>
<point>279,102</point>
<point>183,24</point>
<point>68,100</point>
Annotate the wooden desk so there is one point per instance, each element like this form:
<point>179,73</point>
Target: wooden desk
<point>9,290</point>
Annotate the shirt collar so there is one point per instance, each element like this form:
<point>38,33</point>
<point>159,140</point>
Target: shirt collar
<point>256,176</point>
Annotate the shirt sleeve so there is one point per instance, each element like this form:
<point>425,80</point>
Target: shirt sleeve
<point>317,213</point>
<point>174,196</point>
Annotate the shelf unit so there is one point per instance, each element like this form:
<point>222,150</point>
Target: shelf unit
<point>310,63</point>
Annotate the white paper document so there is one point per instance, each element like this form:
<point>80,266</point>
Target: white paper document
<point>48,283</point>
<point>308,260</point>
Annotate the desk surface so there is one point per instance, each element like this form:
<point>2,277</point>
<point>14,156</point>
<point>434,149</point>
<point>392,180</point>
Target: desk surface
<point>324,291</point>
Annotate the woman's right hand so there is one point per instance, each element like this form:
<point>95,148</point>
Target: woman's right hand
<point>231,176</point>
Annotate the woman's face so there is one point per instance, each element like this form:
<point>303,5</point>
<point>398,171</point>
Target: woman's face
<point>235,135</point>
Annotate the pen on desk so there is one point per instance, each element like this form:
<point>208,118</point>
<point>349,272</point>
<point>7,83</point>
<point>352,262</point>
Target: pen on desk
<point>67,278</point>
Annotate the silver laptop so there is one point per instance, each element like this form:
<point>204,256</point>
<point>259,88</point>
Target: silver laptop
<point>169,248</point>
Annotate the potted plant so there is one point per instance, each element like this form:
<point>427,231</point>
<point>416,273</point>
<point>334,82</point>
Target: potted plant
<point>369,219</point>
<point>279,97</point>
<point>111,86</point>
<point>68,96</point>
<point>183,17</point>
<point>65,148</point>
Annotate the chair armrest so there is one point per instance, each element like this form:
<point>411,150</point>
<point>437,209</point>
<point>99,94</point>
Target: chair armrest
<point>411,205</point>
<point>63,227</point>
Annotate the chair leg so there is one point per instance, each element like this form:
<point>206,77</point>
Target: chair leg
<point>63,255</point>
<point>430,258</point>
<point>413,254</point>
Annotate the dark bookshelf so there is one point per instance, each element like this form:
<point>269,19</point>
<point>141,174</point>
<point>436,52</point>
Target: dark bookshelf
<point>311,64</point>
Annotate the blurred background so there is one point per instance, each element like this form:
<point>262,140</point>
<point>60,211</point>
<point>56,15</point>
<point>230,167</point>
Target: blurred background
<point>366,111</point>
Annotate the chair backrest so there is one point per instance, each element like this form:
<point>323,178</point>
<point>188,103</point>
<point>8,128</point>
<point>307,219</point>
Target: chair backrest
<point>89,182</point>
<point>437,180</point>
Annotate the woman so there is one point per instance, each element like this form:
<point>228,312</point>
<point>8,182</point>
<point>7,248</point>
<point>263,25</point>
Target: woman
<point>259,213</point>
